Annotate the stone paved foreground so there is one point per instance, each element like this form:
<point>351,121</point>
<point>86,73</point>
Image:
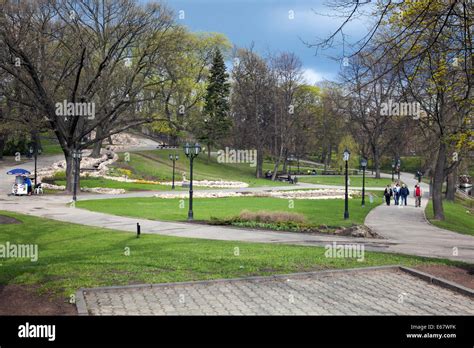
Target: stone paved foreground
<point>378,292</point>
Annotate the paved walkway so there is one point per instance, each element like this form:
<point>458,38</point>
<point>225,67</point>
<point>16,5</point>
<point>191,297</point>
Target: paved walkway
<point>361,292</point>
<point>408,224</point>
<point>404,229</point>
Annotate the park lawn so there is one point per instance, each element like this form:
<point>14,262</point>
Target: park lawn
<point>50,146</point>
<point>127,186</point>
<point>459,217</point>
<point>328,212</point>
<point>73,256</point>
<point>155,165</point>
<point>338,180</point>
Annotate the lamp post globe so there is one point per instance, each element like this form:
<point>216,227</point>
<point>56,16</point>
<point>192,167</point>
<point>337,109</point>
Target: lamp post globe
<point>197,149</point>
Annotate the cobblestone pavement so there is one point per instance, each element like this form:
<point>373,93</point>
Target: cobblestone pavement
<point>378,292</point>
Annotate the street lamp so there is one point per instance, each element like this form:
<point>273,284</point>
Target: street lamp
<point>290,159</point>
<point>191,152</point>
<point>363,163</point>
<point>393,168</point>
<point>346,157</point>
<point>398,167</point>
<point>35,151</point>
<point>77,156</point>
<point>173,158</point>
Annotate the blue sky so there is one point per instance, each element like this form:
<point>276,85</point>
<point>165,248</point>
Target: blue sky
<point>268,25</point>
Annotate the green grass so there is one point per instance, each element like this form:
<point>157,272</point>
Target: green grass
<point>50,146</point>
<point>355,181</point>
<point>74,256</point>
<point>155,165</point>
<point>317,212</point>
<point>459,216</point>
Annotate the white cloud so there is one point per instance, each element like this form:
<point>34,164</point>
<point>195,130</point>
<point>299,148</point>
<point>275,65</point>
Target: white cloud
<point>312,76</point>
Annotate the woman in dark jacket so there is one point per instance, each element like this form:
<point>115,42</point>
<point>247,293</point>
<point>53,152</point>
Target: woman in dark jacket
<point>388,194</point>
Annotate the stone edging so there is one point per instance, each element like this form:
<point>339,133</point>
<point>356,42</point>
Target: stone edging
<point>82,307</point>
<point>426,218</point>
<point>439,281</point>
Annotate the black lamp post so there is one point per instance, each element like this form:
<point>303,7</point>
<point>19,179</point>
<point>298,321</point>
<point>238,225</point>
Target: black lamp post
<point>398,167</point>
<point>191,152</point>
<point>393,168</point>
<point>346,157</point>
<point>290,159</point>
<point>363,163</point>
<point>77,156</point>
<point>173,158</point>
<point>35,151</point>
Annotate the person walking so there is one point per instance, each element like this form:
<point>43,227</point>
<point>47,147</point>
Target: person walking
<point>404,192</point>
<point>388,194</point>
<point>418,194</point>
<point>396,194</point>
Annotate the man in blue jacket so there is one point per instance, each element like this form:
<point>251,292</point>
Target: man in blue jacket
<point>404,192</point>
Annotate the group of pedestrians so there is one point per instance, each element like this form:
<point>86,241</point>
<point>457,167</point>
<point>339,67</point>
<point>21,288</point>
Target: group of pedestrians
<point>401,193</point>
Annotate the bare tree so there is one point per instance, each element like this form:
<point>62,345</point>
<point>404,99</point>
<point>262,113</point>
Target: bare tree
<point>252,102</point>
<point>93,57</point>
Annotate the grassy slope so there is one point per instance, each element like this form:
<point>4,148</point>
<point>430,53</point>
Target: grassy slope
<point>458,217</point>
<point>328,212</point>
<point>74,256</point>
<point>155,165</point>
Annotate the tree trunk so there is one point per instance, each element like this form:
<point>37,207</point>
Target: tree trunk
<point>208,153</point>
<point>375,153</point>
<point>324,157</point>
<point>96,149</point>
<point>285,161</point>
<point>2,145</point>
<point>259,169</point>
<point>277,164</point>
<point>451,186</point>
<point>69,173</point>
<point>438,179</point>
<point>329,156</point>
<point>98,145</point>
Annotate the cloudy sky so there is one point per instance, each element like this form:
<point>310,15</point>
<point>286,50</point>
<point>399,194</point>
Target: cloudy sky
<point>274,26</point>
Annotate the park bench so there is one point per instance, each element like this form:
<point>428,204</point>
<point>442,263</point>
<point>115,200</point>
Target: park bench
<point>167,147</point>
<point>285,178</point>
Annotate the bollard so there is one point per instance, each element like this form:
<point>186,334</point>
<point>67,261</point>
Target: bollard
<point>138,230</point>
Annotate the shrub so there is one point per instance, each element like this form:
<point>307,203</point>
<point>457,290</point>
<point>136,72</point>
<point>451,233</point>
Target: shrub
<point>271,216</point>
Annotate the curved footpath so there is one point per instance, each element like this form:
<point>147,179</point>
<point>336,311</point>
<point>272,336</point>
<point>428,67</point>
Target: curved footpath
<point>405,229</point>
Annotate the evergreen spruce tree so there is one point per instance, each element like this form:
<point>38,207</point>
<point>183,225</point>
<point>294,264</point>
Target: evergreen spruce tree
<point>215,123</point>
